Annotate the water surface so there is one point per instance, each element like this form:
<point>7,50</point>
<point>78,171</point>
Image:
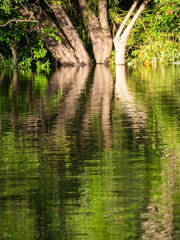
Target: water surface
<point>90,154</point>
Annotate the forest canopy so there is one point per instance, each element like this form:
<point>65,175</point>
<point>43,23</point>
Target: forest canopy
<point>37,33</point>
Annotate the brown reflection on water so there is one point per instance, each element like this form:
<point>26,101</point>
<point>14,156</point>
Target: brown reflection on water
<point>99,104</point>
<point>131,107</point>
<point>62,79</point>
<point>15,81</point>
<point>71,81</point>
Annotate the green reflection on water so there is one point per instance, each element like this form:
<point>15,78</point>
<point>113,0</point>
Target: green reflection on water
<point>86,156</point>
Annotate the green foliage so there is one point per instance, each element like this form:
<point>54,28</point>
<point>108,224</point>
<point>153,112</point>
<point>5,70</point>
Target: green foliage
<point>25,63</point>
<point>112,60</point>
<point>93,5</point>
<point>156,36</point>
<point>39,51</point>
<point>161,49</point>
<point>116,14</point>
<point>12,32</point>
<point>40,83</point>
<point>57,2</point>
<point>43,66</point>
<point>31,50</point>
<point>51,33</point>
<point>6,6</point>
<point>34,55</point>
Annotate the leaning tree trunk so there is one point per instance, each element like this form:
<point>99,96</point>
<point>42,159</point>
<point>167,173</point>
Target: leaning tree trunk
<point>120,40</point>
<point>60,50</point>
<point>65,51</point>
<point>98,30</point>
<point>71,33</point>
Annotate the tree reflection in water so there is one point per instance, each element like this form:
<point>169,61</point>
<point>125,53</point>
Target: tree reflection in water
<point>157,219</point>
<point>69,188</point>
<point>72,82</point>
<point>99,104</point>
<point>134,110</point>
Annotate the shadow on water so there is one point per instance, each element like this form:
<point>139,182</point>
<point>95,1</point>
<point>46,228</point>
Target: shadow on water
<point>86,156</point>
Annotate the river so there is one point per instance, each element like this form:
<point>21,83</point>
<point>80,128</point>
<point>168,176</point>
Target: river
<point>90,154</point>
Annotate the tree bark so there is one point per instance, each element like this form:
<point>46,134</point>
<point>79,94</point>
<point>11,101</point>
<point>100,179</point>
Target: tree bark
<point>71,33</point>
<point>103,18</point>
<point>121,40</point>
<point>63,50</point>
<point>14,49</point>
<point>98,30</point>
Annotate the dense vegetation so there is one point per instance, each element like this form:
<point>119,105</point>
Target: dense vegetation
<point>28,27</point>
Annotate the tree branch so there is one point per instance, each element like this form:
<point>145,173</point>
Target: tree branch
<point>118,34</point>
<point>17,20</point>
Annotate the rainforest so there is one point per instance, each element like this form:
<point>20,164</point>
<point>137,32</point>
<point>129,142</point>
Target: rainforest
<point>41,34</point>
<point>89,120</point>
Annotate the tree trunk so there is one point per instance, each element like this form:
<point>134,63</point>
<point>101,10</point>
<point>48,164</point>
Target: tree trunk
<point>98,31</point>
<point>14,49</point>
<point>121,40</point>
<point>103,18</point>
<point>71,51</point>
<point>62,50</point>
<point>71,33</point>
